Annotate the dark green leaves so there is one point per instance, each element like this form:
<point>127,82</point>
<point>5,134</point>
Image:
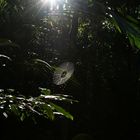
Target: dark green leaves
<point>61,111</point>
<point>42,105</point>
<point>129,26</point>
<point>3,4</point>
<point>47,111</point>
<point>45,91</point>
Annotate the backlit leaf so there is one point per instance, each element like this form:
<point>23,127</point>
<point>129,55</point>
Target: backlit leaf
<point>62,111</point>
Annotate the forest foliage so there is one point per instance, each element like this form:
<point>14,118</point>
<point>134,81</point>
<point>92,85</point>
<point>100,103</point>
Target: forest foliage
<point>35,39</point>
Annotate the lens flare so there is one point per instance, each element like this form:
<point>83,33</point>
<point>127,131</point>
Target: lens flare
<point>51,3</point>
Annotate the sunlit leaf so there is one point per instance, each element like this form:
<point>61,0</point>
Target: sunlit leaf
<point>44,63</point>
<point>62,111</point>
<point>57,98</point>
<point>4,56</point>
<point>5,114</point>
<point>32,109</point>
<point>39,105</point>
<point>45,91</point>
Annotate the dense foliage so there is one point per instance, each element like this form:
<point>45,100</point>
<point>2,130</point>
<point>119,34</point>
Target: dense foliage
<point>101,38</point>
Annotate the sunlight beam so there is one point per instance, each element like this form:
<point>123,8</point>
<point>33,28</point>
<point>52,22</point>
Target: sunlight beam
<point>53,4</point>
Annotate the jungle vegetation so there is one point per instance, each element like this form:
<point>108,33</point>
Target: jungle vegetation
<point>98,41</point>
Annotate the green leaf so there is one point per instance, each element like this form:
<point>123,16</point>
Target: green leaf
<point>116,25</point>
<point>3,4</point>
<point>134,40</point>
<point>15,109</point>
<point>57,98</point>
<point>5,114</point>
<point>45,91</point>
<point>32,109</point>
<point>4,56</point>
<point>61,110</point>
<point>22,117</point>
<point>44,63</point>
<point>47,110</point>
<point>130,27</point>
<point>131,19</point>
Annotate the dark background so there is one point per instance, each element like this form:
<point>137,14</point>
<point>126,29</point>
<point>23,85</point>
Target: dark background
<point>105,80</point>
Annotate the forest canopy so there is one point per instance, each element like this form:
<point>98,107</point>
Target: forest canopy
<point>53,52</point>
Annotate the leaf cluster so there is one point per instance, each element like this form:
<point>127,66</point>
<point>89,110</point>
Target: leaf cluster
<point>23,107</point>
